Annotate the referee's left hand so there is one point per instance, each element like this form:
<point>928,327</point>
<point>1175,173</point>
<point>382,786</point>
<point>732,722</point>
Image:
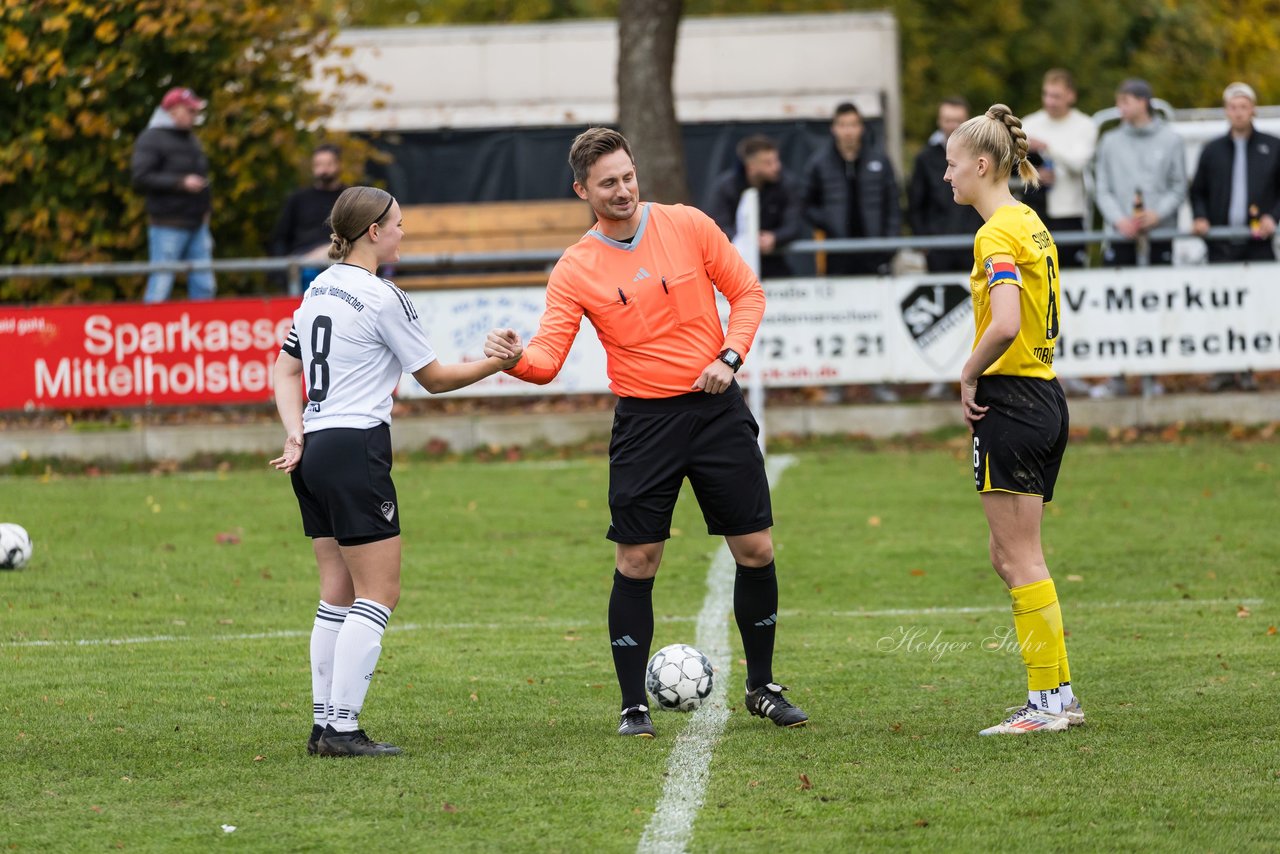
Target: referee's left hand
<point>715,378</point>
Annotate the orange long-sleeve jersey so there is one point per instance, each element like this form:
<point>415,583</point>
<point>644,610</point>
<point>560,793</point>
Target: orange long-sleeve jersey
<point>652,302</point>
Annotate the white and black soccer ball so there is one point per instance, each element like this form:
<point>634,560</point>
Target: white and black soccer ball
<point>15,546</point>
<point>678,678</point>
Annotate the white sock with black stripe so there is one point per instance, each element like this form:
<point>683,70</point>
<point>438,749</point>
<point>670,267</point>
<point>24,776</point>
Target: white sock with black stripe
<point>324,636</point>
<point>355,657</point>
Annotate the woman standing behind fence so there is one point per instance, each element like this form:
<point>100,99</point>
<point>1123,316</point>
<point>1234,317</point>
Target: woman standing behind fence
<point>352,337</point>
<point>1012,401</point>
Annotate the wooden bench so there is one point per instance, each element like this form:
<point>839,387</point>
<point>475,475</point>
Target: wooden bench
<point>489,227</point>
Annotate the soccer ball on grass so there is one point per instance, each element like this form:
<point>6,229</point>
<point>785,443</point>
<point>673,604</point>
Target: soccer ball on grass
<point>678,677</point>
<point>15,546</point>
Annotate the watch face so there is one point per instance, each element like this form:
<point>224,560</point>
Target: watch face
<point>731,358</point>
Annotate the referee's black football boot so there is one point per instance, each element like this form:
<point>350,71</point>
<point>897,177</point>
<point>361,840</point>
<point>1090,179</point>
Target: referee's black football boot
<point>767,702</point>
<point>636,721</point>
<point>316,731</point>
<point>354,743</point>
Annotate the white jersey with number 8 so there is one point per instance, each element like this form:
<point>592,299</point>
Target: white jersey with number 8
<point>355,334</point>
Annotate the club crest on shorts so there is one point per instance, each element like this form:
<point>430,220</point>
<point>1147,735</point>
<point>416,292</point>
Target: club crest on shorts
<point>388,510</point>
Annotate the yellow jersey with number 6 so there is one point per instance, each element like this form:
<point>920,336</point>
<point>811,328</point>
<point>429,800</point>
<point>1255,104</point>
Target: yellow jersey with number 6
<point>1014,248</point>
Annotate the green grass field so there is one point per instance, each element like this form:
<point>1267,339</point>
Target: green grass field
<point>156,684</point>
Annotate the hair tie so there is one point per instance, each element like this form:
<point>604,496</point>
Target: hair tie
<point>376,220</point>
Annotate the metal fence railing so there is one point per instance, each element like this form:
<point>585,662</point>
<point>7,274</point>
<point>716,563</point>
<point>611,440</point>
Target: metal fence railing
<point>535,258</point>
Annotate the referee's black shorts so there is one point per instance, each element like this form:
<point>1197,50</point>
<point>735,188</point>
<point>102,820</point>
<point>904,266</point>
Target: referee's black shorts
<point>710,439</point>
<point>1018,445</point>
<point>344,485</point>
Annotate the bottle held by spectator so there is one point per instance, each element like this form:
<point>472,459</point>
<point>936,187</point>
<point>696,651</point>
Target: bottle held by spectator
<point>1142,246</point>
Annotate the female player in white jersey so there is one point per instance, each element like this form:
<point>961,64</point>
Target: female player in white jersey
<point>1012,401</point>
<point>352,337</point>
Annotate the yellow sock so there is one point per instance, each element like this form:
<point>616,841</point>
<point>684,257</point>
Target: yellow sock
<point>1038,622</point>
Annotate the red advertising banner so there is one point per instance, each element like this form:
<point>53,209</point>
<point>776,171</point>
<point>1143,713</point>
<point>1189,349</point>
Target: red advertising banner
<point>131,354</point>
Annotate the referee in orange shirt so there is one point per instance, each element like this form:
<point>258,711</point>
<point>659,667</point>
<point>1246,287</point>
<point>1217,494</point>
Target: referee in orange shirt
<point>645,276</point>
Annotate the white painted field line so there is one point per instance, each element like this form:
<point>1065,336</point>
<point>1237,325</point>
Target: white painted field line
<point>689,765</point>
<point>565,625</point>
<point>557,625</point>
<point>1002,609</point>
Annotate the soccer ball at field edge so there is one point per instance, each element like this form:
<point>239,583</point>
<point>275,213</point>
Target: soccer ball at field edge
<point>15,546</point>
<point>678,677</point>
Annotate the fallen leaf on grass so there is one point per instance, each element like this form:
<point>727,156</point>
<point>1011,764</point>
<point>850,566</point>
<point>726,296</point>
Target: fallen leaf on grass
<point>921,822</point>
<point>917,572</point>
<point>448,807</point>
<point>474,698</point>
<point>227,538</point>
<point>751,784</point>
<point>805,785</point>
<point>1242,612</point>
<point>874,522</point>
<point>259,758</point>
<point>1271,630</point>
<point>1075,578</point>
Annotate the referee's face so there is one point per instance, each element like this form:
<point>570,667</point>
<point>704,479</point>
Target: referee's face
<point>611,187</point>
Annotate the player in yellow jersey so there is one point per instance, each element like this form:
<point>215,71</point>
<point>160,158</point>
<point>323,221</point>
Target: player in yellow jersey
<point>1012,400</point>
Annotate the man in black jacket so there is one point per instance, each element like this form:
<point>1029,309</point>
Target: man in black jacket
<point>931,206</point>
<point>169,167</point>
<point>1238,183</point>
<point>303,225</point>
<point>781,207</point>
<point>851,191</point>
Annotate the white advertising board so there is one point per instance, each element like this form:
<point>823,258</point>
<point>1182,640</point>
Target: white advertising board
<point>1153,320</point>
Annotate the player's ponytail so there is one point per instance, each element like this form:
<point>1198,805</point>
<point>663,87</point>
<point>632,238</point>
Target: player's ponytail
<point>999,135</point>
<point>356,209</point>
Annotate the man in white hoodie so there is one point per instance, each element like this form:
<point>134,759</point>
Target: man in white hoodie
<point>1140,178</point>
<point>1065,139</point>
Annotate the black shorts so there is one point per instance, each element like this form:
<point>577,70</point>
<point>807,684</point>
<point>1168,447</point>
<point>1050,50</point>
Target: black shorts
<point>344,485</point>
<point>1018,444</point>
<point>710,439</point>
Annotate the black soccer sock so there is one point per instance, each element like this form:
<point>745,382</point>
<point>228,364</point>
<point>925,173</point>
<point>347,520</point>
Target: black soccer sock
<point>631,634</point>
<point>755,606</point>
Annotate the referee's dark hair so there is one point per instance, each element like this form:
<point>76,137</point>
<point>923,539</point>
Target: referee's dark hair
<point>355,211</point>
<point>590,146</point>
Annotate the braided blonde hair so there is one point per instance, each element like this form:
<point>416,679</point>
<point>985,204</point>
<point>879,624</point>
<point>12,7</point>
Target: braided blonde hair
<point>998,134</point>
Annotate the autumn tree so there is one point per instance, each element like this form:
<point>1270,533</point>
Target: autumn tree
<point>647,31</point>
<point>79,81</point>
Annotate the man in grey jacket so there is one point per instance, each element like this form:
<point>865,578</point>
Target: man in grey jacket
<point>851,191</point>
<point>1140,178</point>
<point>170,169</point>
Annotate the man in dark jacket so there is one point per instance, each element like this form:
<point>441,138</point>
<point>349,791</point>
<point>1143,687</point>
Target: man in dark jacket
<point>1237,182</point>
<point>781,207</point>
<point>851,191</point>
<point>170,169</point>
<point>303,225</point>
<point>931,206</point>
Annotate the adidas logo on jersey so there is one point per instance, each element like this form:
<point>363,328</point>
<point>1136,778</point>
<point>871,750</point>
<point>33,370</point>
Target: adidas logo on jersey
<point>641,274</point>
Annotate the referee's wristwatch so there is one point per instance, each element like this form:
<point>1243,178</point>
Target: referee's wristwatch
<point>731,358</point>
